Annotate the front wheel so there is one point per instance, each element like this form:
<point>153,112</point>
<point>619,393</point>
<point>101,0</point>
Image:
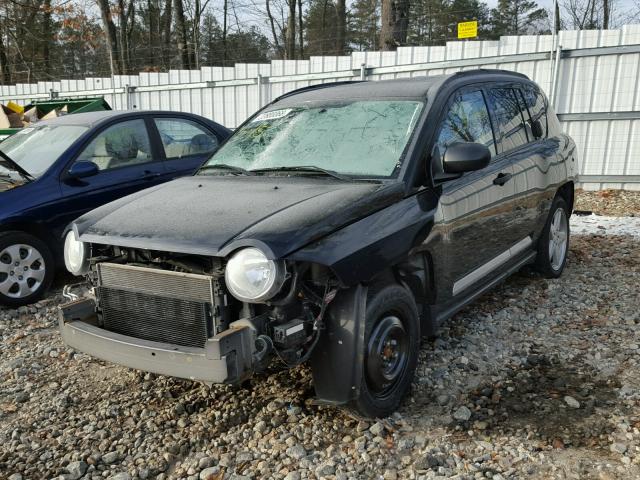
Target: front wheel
<point>554,241</point>
<point>392,341</point>
<point>26,269</point>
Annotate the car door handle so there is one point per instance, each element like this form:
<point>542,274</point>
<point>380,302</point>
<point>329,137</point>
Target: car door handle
<point>150,175</point>
<point>502,178</point>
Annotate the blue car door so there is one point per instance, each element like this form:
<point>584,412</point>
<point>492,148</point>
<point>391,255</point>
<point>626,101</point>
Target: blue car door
<point>186,143</point>
<point>127,161</point>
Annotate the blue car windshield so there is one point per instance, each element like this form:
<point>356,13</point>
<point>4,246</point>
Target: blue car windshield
<point>362,138</point>
<point>36,148</point>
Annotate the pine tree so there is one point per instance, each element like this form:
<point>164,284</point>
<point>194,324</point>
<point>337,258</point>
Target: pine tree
<point>363,24</point>
<point>517,17</point>
<point>321,22</point>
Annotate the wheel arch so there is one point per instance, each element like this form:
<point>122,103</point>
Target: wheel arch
<point>567,192</point>
<point>416,274</point>
<point>37,230</point>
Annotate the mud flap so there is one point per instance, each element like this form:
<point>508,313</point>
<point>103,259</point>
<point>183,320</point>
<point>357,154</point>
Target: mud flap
<point>337,360</point>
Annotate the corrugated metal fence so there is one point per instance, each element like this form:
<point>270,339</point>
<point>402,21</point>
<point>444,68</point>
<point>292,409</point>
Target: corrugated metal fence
<point>596,88</point>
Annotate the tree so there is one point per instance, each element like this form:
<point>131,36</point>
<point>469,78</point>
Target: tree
<point>363,24</point>
<point>395,23</point>
<point>321,22</point>
<point>182,32</point>
<point>517,17</point>
<point>341,26</point>
<point>111,36</point>
<point>290,51</point>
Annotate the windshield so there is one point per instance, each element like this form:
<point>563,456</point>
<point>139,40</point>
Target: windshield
<point>360,138</point>
<point>35,149</point>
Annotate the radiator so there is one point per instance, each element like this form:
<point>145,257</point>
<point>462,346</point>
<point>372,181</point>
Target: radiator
<point>156,305</point>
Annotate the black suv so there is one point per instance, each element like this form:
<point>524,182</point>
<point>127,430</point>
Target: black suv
<point>338,225</point>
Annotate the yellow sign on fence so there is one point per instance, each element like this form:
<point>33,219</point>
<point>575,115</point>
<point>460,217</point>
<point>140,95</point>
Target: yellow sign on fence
<point>468,29</point>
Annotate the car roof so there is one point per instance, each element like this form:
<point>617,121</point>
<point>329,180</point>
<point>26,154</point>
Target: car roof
<point>410,88</point>
<point>91,119</point>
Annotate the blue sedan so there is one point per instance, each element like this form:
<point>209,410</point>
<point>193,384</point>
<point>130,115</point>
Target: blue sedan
<point>57,170</point>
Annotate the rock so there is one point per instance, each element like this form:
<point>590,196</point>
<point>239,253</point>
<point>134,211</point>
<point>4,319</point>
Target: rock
<point>296,452</point>
<point>295,475</point>
<point>210,473</point>
<point>325,470</point>
<point>390,474</point>
<point>76,469</point>
<point>572,402</point>
<point>462,414</point>
<point>617,447</point>
<point>244,457</point>
<point>120,476</point>
<point>377,428</point>
<point>22,397</point>
<point>206,462</point>
<point>428,462</point>
<point>110,457</point>
<point>15,476</point>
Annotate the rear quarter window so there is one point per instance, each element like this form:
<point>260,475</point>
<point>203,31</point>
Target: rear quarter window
<point>537,106</point>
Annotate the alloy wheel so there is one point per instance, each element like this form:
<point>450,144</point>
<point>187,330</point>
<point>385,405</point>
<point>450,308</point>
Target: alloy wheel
<point>22,270</point>
<point>558,237</point>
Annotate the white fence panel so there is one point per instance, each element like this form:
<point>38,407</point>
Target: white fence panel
<point>597,88</point>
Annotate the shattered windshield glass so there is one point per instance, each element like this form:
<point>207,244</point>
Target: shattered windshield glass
<point>360,138</point>
<point>35,149</point>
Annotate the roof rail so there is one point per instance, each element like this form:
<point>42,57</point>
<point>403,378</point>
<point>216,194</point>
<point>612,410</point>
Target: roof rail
<point>495,71</point>
<point>315,87</point>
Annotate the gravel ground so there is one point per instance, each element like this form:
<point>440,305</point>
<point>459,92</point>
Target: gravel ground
<point>536,379</point>
<point>618,203</point>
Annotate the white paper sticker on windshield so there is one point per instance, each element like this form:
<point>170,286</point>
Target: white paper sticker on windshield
<point>24,131</point>
<point>273,115</point>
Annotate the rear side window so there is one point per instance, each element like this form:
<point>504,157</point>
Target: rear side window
<point>511,129</point>
<point>537,107</point>
<point>182,138</point>
<point>467,120</point>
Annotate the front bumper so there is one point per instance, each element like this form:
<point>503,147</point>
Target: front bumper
<point>225,358</point>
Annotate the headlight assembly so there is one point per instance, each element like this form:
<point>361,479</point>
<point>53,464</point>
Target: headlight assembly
<point>251,277</point>
<point>76,255</point>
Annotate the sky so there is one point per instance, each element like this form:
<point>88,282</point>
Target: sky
<point>618,5</point>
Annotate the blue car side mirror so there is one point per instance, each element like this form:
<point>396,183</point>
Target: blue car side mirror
<point>83,169</point>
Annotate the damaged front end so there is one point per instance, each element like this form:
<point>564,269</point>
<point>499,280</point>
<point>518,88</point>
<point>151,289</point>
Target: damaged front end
<point>175,315</point>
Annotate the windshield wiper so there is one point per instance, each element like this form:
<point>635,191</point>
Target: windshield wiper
<point>305,168</point>
<point>224,166</point>
<point>8,161</point>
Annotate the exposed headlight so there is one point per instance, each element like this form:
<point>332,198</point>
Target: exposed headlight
<point>76,257</point>
<point>252,277</point>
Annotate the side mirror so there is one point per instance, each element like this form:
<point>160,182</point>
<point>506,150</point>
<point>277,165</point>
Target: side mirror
<point>536,129</point>
<point>463,157</point>
<point>83,169</point>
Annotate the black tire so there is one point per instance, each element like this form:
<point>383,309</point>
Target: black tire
<point>547,264</point>
<point>391,315</point>
<point>29,280</point>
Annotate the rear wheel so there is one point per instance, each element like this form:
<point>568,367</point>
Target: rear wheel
<point>392,341</point>
<point>554,242</point>
<point>26,268</point>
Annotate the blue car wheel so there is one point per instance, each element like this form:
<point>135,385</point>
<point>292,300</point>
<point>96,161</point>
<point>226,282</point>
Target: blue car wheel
<point>26,268</point>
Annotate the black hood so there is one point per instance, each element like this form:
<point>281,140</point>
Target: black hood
<point>213,215</point>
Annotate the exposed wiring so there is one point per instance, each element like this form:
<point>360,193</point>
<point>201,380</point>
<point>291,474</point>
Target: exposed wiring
<point>318,326</point>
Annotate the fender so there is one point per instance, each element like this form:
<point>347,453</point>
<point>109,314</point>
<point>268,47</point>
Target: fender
<point>337,358</point>
<point>363,249</point>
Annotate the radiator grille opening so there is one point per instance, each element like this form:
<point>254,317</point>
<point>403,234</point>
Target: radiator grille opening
<point>158,319</point>
<point>157,305</point>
